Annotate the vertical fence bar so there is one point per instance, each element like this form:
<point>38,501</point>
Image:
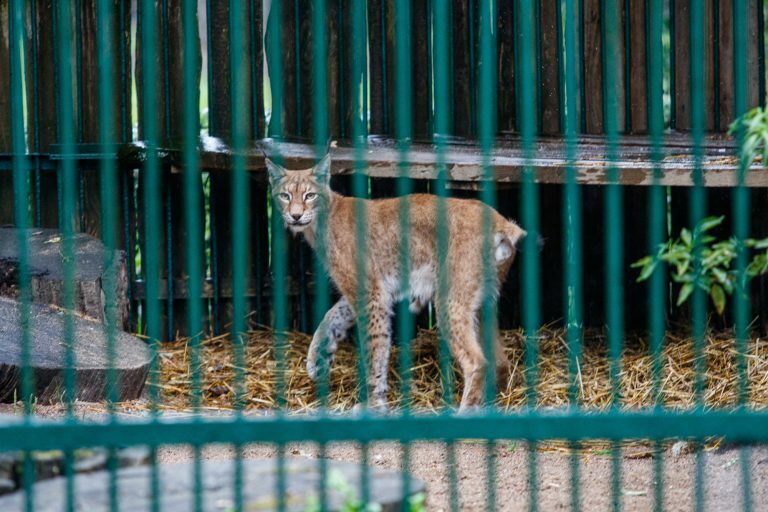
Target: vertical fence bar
<point>487,113</point>
<point>152,214</point>
<point>239,215</point>
<point>697,209</point>
<point>403,83</point>
<point>403,134</point>
<point>109,215</point>
<point>656,224</point>
<point>320,129</point>
<point>279,245</point>
<point>444,70</point>
<point>192,208</point>
<point>365,298</point>
<point>741,229</point>
<point>572,220</point>
<point>529,215</point>
<point>21,217</point>
<point>67,220</point>
<point>614,214</point>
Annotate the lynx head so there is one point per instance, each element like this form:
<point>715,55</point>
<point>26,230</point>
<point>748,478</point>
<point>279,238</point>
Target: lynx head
<point>300,195</point>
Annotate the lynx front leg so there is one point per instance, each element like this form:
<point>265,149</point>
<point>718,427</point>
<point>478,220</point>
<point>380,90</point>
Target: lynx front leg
<point>335,325</point>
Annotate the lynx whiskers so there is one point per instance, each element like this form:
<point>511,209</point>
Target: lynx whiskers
<point>304,194</point>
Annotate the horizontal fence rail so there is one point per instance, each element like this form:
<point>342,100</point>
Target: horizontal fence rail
<point>150,152</point>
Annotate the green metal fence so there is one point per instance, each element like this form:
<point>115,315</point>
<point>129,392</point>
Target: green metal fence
<point>397,78</point>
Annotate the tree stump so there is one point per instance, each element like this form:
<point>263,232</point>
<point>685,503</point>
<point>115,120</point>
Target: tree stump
<point>47,349</point>
<point>46,269</point>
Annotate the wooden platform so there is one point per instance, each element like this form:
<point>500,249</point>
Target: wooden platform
<point>633,158</point>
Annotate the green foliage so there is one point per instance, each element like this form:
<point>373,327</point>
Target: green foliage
<point>753,127</point>
<point>700,260</point>
<point>338,482</point>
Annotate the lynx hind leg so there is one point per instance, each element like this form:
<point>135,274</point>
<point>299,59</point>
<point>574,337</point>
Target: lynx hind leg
<point>503,368</point>
<point>334,326</point>
<point>468,352</point>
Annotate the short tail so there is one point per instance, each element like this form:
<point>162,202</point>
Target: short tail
<point>506,239</point>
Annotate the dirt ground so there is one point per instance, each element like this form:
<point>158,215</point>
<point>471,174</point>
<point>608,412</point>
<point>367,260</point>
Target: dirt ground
<point>723,487</point>
<point>722,471</point>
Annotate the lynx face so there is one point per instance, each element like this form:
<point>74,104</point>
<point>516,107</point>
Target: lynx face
<point>300,195</point>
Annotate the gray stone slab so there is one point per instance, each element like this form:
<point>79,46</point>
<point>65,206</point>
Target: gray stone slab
<point>302,480</point>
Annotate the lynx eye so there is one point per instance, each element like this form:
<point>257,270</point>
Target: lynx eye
<point>310,196</point>
<point>283,196</point>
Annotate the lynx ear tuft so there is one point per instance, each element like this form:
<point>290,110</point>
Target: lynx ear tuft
<point>276,172</point>
<point>322,171</point>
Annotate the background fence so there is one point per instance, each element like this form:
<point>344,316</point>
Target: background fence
<point>602,124</point>
<point>211,88</point>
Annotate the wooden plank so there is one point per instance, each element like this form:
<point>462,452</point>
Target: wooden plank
<point>550,70</point>
<point>726,58</point>
<point>682,69</point>
<point>6,145</point>
<point>724,101</point>
<point>220,105</point>
<point>88,111</point>
<point>171,126</point>
<point>593,67</point>
<point>336,82</point>
<point>221,109</point>
<point>506,97</point>
<point>5,80</point>
<point>42,98</point>
<point>755,46</point>
<point>638,71</point>
<point>421,66</point>
<point>465,163</point>
<point>380,66</point>
<point>464,123</point>
<point>619,56</point>
<point>170,73</point>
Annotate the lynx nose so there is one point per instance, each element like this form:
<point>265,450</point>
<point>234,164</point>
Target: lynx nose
<point>296,216</point>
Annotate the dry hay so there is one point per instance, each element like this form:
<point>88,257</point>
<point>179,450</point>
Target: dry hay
<point>219,388</point>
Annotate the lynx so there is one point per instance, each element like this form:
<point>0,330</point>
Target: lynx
<point>303,195</point>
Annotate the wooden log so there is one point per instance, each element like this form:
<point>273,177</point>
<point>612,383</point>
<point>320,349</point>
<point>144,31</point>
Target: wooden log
<point>46,268</point>
<point>47,356</point>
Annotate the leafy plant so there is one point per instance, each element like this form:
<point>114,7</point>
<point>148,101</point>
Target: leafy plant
<point>700,260</point>
<point>338,482</point>
<point>753,126</point>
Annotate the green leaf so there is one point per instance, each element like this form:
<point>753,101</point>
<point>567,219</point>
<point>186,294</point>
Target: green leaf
<point>685,236</point>
<point>718,298</point>
<point>685,292</point>
<point>709,223</point>
<point>720,275</point>
<point>646,273</point>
